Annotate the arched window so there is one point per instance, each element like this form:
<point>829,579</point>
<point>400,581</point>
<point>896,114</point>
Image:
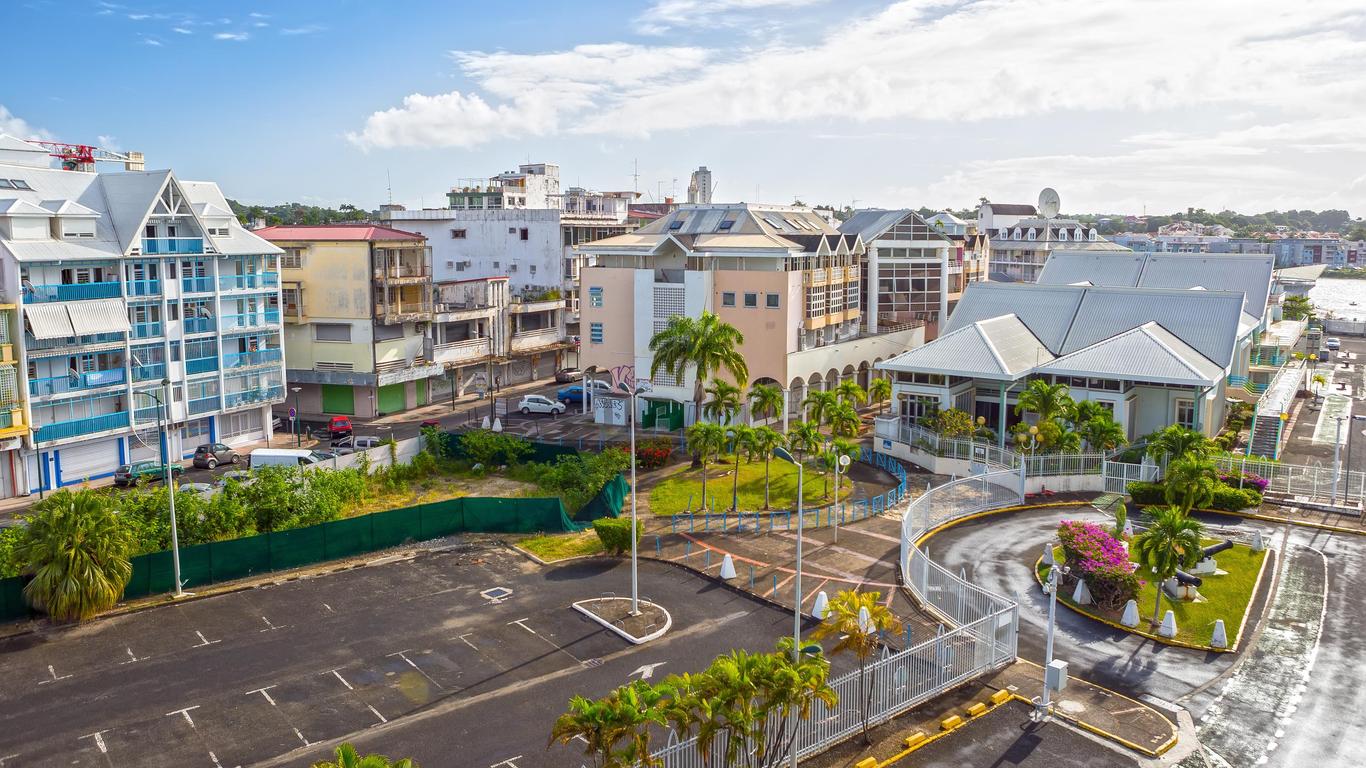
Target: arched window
<point>1031,233</point>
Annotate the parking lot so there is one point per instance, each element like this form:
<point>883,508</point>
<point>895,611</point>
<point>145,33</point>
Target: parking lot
<point>413,657</point>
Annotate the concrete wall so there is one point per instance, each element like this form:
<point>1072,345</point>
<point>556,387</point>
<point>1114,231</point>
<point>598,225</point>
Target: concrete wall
<point>489,246</point>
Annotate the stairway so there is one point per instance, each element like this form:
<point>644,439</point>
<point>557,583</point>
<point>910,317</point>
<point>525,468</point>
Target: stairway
<point>1265,438</point>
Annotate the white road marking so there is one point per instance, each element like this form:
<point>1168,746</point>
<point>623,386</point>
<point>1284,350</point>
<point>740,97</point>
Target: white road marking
<point>403,655</point>
<point>376,713</point>
<point>214,758</point>
<point>342,679</point>
<point>204,641</point>
<point>55,678</point>
<point>329,608</point>
<point>262,691</point>
<point>98,736</point>
<point>270,626</point>
<point>6,757</point>
<point>131,658</point>
<point>508,762</point>
<point>647,671</point>
<point>520,623</point>
<point>306,742</point>
<point>466,642</point>
<point>185,713</point>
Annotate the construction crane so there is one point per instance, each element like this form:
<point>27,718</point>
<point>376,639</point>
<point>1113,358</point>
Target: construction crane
<point>82,157</point>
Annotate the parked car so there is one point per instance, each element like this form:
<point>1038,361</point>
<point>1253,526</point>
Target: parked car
<point>539,404</point>
<point>357,442</point>
<point>281,457</point>
<point>240,475</point>
<point>568,375</point>
<point>1333,343</point>
<point>572,394</point>
<point>210,455</point>
<point>338,426</point>
<point>143,471</point>
<point>433,423</point>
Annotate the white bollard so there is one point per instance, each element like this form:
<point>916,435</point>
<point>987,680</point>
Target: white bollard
<point>485,423</point>
<point>1168,628</point>
<point>1081,595</point>
<point>1128,529</point>
<point>1257,544</point>
<point>497,424</point>
<point>1130,617</point>
<point>1220,638</point>
<point>821,607</point>
<point>1048,558</point>
<point>727,567</point>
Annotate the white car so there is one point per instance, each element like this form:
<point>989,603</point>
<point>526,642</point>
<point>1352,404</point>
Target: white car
<point>1333,343</point>
<point>540,404</point>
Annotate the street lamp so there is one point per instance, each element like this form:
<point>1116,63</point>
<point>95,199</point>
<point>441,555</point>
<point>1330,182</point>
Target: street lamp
<point>735,475</point>
<point>782,453</point>
<point>163,403</point>
<point>1033,438</point>
<point>1052,589</point>
<point>298,418</point>
<point>641,386</point>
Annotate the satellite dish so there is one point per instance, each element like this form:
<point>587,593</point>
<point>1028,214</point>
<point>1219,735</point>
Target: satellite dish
<point>1048,203</point>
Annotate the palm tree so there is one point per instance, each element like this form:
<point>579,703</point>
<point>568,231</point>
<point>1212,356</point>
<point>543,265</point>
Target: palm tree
<point>818,405</point>
<point>723,401</point>
<point>1190,482</point>
<point>762,441</point>
<point>1102,432</point>
<point>347,757</point>
<point>838,448</point>
<point>803,437</point>
<point>616,728</point>
<point>742,437</point>
<point>844,420</point>
<point>765,400</point>
<point>704,441</point>
<point>858,619</point>
<point>1085,411</point>
<point>706,343</point>
<point>1172,541</point>
<point>1176,441</point>
<point>850,392</point>
<point>1319,381</point>
<point>879,390</point>
<point>1046,400</point>
<point>78,554</point>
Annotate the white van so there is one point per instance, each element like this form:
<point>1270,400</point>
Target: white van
<point>281,457</point>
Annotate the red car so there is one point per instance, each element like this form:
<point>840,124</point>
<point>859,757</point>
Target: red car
<point>339,426</point>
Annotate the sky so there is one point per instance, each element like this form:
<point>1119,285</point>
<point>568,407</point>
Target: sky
<point>1123,106</point>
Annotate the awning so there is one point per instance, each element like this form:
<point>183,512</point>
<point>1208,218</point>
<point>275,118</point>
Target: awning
<point>99,316</point>
<point>48,321</point>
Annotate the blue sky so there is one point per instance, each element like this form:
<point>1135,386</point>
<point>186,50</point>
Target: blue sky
<point>1121,106</point>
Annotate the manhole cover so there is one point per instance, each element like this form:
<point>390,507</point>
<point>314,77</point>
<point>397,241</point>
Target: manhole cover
<point>496,594</point>
<point>593,663</point>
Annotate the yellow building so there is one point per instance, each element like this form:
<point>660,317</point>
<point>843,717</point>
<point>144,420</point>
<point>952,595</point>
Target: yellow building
<point>357,306</point>
<point>14,427</point>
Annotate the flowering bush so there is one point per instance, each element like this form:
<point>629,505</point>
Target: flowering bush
<point>1255,482</point>
<point>653,454</point>
<point>1101,559</point>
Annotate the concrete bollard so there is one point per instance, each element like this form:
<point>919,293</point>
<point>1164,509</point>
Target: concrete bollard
<point>497,424</point>
<point>1048,558</point>
<point>1130,617</point>
<point>1081,595</point>
<point>1128,529</point>
<point>1257,544</point>
<point>485,423</point>
<point>1220,637</point>
<point>727,567</point>
<point>1168,628</point>
<point>821,606</point>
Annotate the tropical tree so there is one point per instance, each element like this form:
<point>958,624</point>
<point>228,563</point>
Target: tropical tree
<point>1046,400</point>
<point>1086,410</point>
<point>858,620</point>
<point>953,423</point>
<point>830,458</point>
<point>1102,432</point>
<point>762,441</point>
<point>741,437</point>
<point>77,552</point>
<point>879,390</point>
<point>844,420</point>
<point>1175,441</point>
<point>818,405</point>
<point>804,437</point>
<point>723,401</point>
<point>1172,541</point>
<point>1319,381</point>
<point>850,392</point>
<point>348,757</point>
<point>706,343</point>
<point>765,400</point>
<point>1190,482</point>
<point>705,440</point>
<point>616,728</point>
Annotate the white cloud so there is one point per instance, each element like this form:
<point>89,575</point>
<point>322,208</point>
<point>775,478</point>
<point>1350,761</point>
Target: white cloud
<point>664,15</point>
<point>182,31</point>
<point>234,36</point>
<point>152,41</point>
<point>13,125</point>
<point>306,29</point>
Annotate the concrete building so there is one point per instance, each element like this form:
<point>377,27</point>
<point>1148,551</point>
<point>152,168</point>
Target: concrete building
<point>127,280</point>
<point>1308,248</point>
<point>790,282</point>
<point>486,337</point>
<point>1021,240</point>
<point>948,223</point>
<point>700,186</point>
<point>357,306</point>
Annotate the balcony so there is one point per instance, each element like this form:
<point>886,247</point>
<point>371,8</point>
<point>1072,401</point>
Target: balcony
<point>402,274</point>
<point>201,284</point>
<point>258,396</point>
<point>143,288</point>
<point>200,365</point>
<point>39,294</point>
<point>250,359</point>
<point>38,348</point>
<point>401,312</point>
<point>469,350</point>
<point>147,330</point>
<point>149,372</point>
<point>522,307</point>
<point>172,245</point>
<point>251,282</point>
<point>264,319</point>
<point>532,340</point>
<point>57,385</point>
<point>76,427</point>
<point>815,277</point>
<point>200,325</point>
<point>204,404</point>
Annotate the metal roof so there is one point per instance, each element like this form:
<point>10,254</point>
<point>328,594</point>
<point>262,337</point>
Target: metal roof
<point>366,232</point>
<point>1046,310</point>
<point>1147,353</point>
<point>1001,348</point>
<point>871,223</point>
<point>1246,274</point>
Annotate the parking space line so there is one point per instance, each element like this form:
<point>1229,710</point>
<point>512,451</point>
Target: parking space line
<point>270,626</point>
<point>329,608</point>
<point>266,693</point>
<point>522,623</point>
<point>98,736</point>
<point>509,763</point>
<point>376,713</point>
<point>6,757</point>
<point>403,655</point>
<point>131,657</point>
<point>204,641</point>
<point>818,588</point>
<point>185,713</point>
<point>55,677</point>
<point>342,679</point>
<point>466,642</point>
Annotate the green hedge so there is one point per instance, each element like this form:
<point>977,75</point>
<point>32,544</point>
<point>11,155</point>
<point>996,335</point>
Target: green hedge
<point>1226,498</point>
<point>615,533</point>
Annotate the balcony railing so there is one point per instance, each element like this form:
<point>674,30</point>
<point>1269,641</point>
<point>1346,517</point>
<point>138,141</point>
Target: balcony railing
<point>56,385</point>
<point>77,427</point>
<point>38,345</point>
<point>176,245</point>
<point>204,404</point>
<point>38,294</point>
<point>147,330</point>
<point>199,325</point>
<point>250,320</point>
<point>461,351</point>
<point>200,365</point>
<point>400,271</point>
<point>201,284</point>
<point>260,395</point>
<point>144,288</point>
<point>248,359</point>
<point>248,282</point>
<point>149,372</point>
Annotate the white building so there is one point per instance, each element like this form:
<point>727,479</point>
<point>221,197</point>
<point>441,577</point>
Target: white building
<point>126,280</point>
<point>1021,240</point>
<point>700,187</point>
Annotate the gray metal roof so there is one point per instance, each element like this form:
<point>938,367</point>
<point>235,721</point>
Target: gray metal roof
<point>1000,348</point>
<point>1246,274</point>
<point>1147,353</point>
<point>871,223</point>
<point>1046,310</point>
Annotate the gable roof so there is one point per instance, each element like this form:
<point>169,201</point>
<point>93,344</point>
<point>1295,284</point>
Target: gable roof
<point>205,196</point>
<point>15,207</point>
<point>129,198</point>
<point>1001,348</point>
<point>1247,274</point>
<point>68,208</point>
<point>1013,209</point>
<point>872,223</point>
<point>1148,352</point>
<point>347,232</point>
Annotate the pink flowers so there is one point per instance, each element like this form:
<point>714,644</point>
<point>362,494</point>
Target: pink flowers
<point>1093,554</point>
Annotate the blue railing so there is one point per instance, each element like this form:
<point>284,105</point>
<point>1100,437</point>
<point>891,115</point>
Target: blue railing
<point>147,330</point>
<point>150,413</point>
<point>56,385</point>
<point>177,245</point>
<point>77,427</point>
<point>196,284</point>
<point>144,287</point>
<point>248,281</point>
<point>250,320</point>
<point>199,325</point>
<point>201,365</point>
<point>149,372</point>
<point>204,404</point>
<point>246,359</point>
<point>260,395</point>
<point>72,292</point>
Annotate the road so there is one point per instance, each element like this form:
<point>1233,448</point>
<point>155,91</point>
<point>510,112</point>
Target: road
<point>1347,369</point>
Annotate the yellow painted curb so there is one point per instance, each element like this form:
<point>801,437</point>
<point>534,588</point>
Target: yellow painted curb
<point>1101,731</point>
<point>945,526</point>
<point>919,739</point>
<point>977,709</point>
<point>867,762</point>
<point>914,739</point>
<point>951,722</point>
<point>1000,697</point>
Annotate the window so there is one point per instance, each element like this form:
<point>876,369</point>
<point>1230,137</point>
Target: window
<point>726,225</point>
<point>676,225</point>
<point>173,310</point>
<point>457,234</point>
<point>595,296</point>
<point>193,431</point>
<point>459,266</point>
<point>595,333</point>
<point>533,269</point>
<point>771,300</point>
<point>240,423</point>
<point>728,299</point>
<point>20,184</point>
<point>751,300</point>
<point>524,234</point>
<point>1185,413</point>
<point>387,332</point>
<point>293,259</point>
<point>6,184</point>
<point>332,332</point>
<point>149,231</point>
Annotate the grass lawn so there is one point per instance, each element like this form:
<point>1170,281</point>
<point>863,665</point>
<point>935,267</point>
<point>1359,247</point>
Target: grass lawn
<point>1226,597</point>
<point>440,486</point>
<point>559,546</point>
<point>671,496</point>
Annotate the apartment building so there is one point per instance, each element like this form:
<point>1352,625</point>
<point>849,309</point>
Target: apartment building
<point>1306,248</point>
<point>127,280</point>
<point>916,270</point>
<point>357,309</point>
<point>1021,239</point>
<point>792,284</point>
<point>486,337</point>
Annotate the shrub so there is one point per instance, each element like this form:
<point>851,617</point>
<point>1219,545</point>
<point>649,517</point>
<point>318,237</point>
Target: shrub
<point>10,536</point>
<point>1146,494</point>
<point>577,479</point>
<point>953,423</point>
<point>653,454</point>
<point>1234,500</point>
<point>483,446</point>
<point>1101,560</point>
<point>1249,480</point>
<point>615,533</point>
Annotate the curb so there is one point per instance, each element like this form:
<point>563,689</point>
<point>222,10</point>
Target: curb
<point>948,725</point>
<point>1287,521</point>
<point>1017,508</point>
<point>630,638</point>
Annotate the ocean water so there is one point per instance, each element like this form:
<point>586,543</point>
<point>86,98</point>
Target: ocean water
<point>1336,296</point>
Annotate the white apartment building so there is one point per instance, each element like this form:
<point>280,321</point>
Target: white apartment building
<point>1021,239</point>
<point>127,280</point>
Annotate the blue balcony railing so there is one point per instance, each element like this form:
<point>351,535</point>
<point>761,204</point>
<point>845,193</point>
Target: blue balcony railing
<point>199,325</point>
<point>77,427</point>
<point>176,245</point>
<point>261,395</point>
<point>204,404</point>
<point>38,294</point>
<point>147,330</point>
<point>250,320</point>
<point>144,288</point>
<point>149,372</point>
<point>247,359</point>
<point>248,282</point>
<point>56,385</point>
<point>200,365</point>
<point>196,284</point>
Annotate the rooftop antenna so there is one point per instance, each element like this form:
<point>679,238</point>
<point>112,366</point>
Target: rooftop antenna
<point>390,178</point>
<point>635,176</point>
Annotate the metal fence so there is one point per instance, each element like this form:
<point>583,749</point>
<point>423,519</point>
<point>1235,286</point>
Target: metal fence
<point>1055,464</point>
<point>929,441</point>
<point>1119,474</point>
<point>1312,480</point>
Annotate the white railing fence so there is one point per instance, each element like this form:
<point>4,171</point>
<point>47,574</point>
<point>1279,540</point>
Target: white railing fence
<point>1312,480</point>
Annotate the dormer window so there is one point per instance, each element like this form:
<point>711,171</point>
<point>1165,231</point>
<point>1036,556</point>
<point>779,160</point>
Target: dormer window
<point>1031,233</point>
<point>77,228</point>
<point>1062,234</point>
<point>1092,236</point>
<point>1004,234</point>
<point>1076,234</point>
<point>1016,234</point>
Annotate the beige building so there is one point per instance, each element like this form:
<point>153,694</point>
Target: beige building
<point>357,308</point>
<point>790,282</point>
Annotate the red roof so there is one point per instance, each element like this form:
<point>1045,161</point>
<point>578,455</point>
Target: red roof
<point>365,232</point>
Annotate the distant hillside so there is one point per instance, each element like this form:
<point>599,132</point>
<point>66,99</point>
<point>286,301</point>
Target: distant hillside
<point>1243,225</point>
<point>298,213</point>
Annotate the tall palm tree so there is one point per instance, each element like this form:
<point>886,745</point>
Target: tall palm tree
<point>1175,441</point>
<point>1103,433</point>
<point>723,401</point>
<point>705,440</point>
<point>77,551</point>
<point>880,390</point>
<point>705,343</point>
<point>616,728</point>
<point>1046,400</point>
<point>818,405</point>
<point>1084,411</point>
<point>804,437</point>
<point>850,392</point>
<point>348,757</point>
<point>1172,541</point>
<point>844,420</point>
<point>1190,482</point>
<point>765,400</point>
<point>858,619</point>
<point>742,438</point>
<point>763,440</point>
<point>1319,381</point>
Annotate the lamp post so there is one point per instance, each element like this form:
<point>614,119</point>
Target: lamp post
<point>783,454</point>
<point>735,473</point>
<point>163,416</point>
<point>1053,573</point>
<point>641,386</point>
<point>298,418</point>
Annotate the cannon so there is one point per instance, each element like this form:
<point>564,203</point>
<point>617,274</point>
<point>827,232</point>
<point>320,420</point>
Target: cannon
<point>1207,554</point>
